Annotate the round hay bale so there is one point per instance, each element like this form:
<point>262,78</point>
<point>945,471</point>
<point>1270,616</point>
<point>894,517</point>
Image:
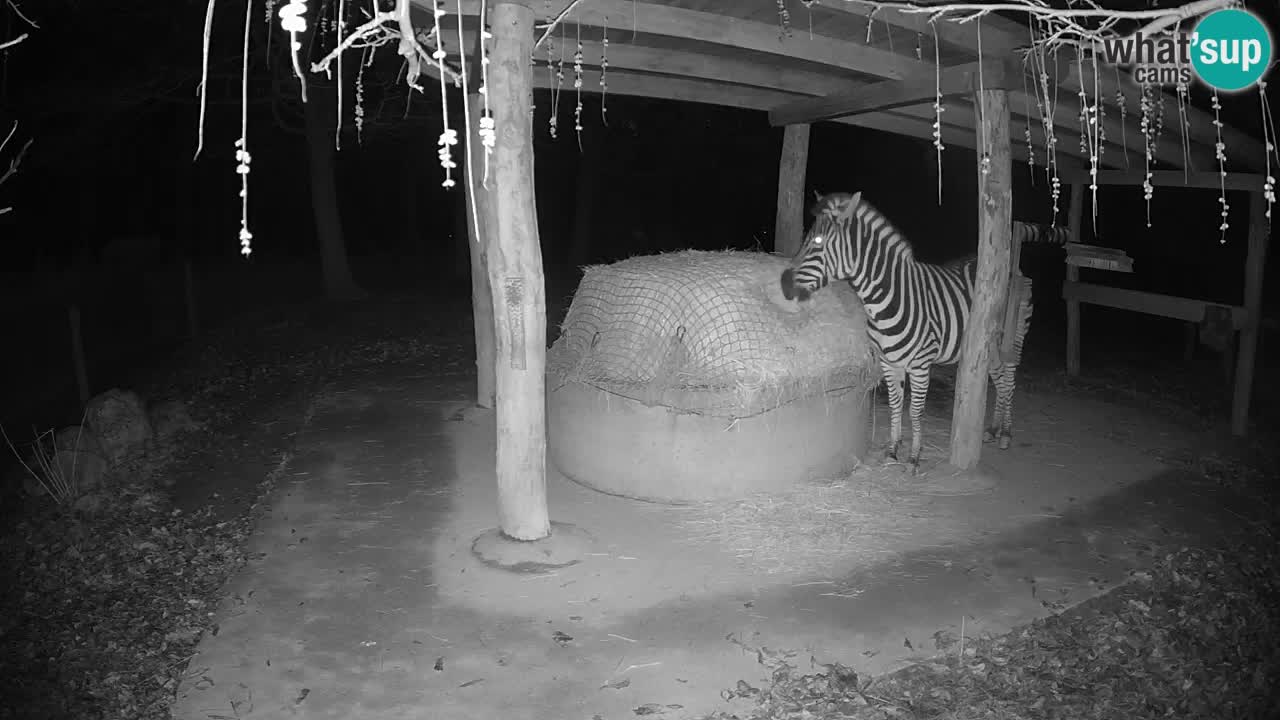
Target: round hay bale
<point>686,377</point>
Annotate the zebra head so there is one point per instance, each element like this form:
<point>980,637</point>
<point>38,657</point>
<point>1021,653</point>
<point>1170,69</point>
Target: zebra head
<point>828,237</point>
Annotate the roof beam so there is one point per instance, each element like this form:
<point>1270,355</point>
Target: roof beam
<point>750,98</point>
<point>920,88</point>
<point>999,36</point>
<point>1250,182</point>
<point>739,73</point>
<point>706,27</point>
<point>728,32</point>
<point>1066,72</point>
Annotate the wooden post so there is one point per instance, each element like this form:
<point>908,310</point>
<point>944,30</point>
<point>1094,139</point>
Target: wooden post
<point>788,228</point>
<point>1075,216</point>
<point>516,281</point>
<point>1255,265</point>
<point>1013,300</point>
<point>77,354</point>
<point>995,240</point>
<point>479,212</point>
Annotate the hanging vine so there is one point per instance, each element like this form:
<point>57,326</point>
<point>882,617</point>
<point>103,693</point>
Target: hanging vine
<point>557,80</point>
<point>604,68</point>
<point>1220,151</point>
<point>937,107</point>
<point>1269,137</point>
<point>1081,26</point>
<point>577,86</point>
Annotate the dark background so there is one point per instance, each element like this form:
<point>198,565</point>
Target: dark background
<point>108,200</point>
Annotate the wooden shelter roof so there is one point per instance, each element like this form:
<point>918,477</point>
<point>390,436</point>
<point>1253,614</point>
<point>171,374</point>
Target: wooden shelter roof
<point>734,53</point>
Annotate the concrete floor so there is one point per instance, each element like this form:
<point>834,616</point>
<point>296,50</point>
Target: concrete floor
<point>366,602</point>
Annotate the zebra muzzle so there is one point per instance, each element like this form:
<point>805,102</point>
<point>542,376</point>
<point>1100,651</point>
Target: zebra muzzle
<point>790,290</point>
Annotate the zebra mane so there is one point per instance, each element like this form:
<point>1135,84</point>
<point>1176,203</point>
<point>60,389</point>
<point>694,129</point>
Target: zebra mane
<point>838,205</point>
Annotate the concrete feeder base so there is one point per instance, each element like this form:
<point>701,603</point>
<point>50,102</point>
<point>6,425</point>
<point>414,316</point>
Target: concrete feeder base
<point>622,447</point>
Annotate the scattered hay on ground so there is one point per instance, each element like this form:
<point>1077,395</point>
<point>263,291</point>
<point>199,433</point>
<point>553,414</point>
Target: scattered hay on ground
<point>821,528</point>
<point>1197,636</point>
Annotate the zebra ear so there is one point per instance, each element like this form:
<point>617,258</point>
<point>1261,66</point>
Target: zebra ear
<point>854,201</point>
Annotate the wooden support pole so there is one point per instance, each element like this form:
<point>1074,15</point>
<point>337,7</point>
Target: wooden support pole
<point>788,227</point>
<point>516,280</point>
<point>995,241</point>
<point>1255,265</point>
<point>1075,216</point>
<point>480,226</point>
<point>1013,300</point>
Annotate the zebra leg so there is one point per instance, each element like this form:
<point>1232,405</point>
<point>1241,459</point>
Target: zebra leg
<point>1006,388</point>
<point>919,389</point>
<point>992,432</point>
<point>1004,372</point>
<point>893,383</point>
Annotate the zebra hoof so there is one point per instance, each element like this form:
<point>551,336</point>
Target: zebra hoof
<point>988,436</point>
<point>1005,441</point>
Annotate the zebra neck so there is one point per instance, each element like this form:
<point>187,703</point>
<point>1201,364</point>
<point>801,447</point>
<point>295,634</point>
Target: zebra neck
<point>883,286</point>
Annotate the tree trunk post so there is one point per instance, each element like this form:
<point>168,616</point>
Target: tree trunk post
<point>517,285</point>
<point>995,240</point>
<point>321,123</point>
<point>1254,272</point>
<point>788,227</point>
<point>77,354</point>
<point>1075,219</point>
<point>480,226</point>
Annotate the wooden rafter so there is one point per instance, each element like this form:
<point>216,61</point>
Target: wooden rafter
<point>999,36</point>
<point>715,47</point>
<point>919,88</point>
<point>1251,182</point>
<point>743,83</point>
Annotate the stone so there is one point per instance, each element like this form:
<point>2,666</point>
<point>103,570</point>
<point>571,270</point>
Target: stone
<point>119,420</point>
<point>79,458</point>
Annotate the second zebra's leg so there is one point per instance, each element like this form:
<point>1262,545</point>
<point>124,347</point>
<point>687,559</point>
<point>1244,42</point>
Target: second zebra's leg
<point>893,383</point>
<point>1000,429</point>
<point>919,377</point>
<point>1010,376</point>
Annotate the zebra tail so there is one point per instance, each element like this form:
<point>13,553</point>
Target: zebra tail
<point>1039,233</point>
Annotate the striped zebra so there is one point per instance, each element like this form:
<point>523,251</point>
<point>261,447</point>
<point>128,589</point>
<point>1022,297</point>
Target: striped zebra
<point>916,312</point>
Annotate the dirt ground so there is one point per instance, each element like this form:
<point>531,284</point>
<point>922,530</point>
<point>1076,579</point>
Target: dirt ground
<point>364,599</point>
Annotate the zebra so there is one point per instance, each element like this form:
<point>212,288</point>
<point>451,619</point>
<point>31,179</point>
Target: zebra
<point>916,312</point>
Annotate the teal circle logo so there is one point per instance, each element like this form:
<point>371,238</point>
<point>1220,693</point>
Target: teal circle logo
<point>1231,49</point>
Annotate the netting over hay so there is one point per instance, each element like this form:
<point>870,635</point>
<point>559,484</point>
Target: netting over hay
<point>708,332</point>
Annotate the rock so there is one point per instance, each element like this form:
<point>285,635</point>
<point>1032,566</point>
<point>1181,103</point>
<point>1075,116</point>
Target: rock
<point>170,418</point>
<point>79,457</point>
<point>119,420</point>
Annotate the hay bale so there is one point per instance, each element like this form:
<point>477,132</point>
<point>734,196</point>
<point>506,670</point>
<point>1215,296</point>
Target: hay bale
<point>687,376</point>
<point>708,332</point>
